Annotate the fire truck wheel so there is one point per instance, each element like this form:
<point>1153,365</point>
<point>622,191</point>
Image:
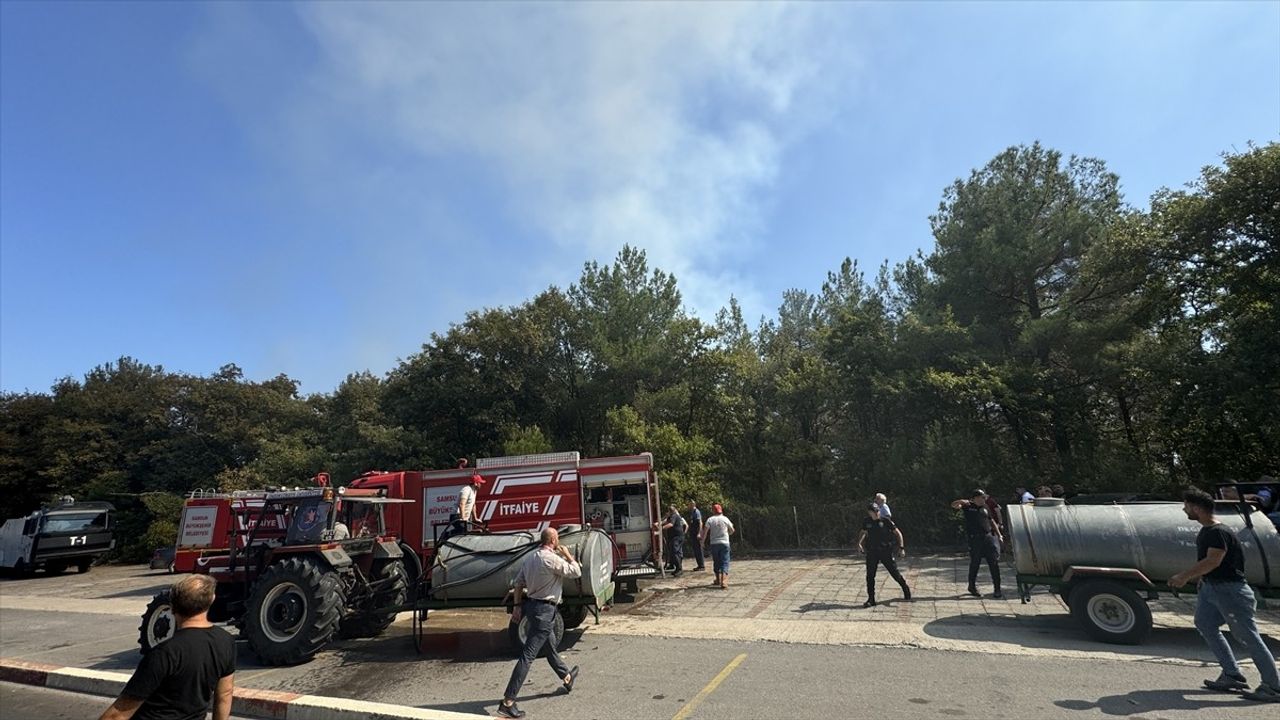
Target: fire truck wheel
<point>83,566</point>
<point>573,615</point>
<point>55,568</point>
<point>516,632</point>
<point>293,611</point>
<point>363,624</point>
<point>158,624</point>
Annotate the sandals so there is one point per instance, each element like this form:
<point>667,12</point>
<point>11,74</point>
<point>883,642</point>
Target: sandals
<point>573,677</point>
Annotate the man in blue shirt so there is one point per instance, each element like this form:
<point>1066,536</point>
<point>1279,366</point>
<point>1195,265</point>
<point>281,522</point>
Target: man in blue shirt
<point>695,531</point>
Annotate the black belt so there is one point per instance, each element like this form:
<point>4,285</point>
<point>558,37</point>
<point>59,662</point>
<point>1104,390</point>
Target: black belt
<point>539,600</point>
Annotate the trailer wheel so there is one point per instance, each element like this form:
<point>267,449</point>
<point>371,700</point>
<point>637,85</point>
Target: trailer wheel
<point>158,624</point>
<point>294,610</point>
<point>365,624</point>
<point>517,633</point>
<point>1111,612</point>
<point>573,615</point>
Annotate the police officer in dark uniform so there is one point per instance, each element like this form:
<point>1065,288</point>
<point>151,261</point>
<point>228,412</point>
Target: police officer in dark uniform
<point>881,540</point>
<point>984,540</point>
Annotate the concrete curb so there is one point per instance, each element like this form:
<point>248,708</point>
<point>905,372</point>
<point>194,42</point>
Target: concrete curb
<point>248,702</point>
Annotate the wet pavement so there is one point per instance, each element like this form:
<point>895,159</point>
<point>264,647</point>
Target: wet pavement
<point>659,652</point>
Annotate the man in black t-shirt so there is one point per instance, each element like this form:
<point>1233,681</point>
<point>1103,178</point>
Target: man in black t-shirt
<point>881,540</point>
<point>180,678</point>
<point>1225,596</point>
<point>984,540</point>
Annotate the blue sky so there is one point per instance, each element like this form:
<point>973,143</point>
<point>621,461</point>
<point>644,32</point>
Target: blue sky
<point>314,189</point>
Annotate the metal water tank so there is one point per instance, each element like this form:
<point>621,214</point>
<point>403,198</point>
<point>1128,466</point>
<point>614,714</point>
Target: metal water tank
<point>1155,538</point>
<point>484,566</point>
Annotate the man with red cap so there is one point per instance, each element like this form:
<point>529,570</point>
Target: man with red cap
<point>467,512</point>
<point>716,534</point>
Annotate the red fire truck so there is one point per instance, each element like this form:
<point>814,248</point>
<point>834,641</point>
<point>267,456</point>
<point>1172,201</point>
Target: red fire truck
<point>531,492</point>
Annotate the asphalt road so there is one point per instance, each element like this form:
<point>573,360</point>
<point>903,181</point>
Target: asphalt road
<point>91,622</point>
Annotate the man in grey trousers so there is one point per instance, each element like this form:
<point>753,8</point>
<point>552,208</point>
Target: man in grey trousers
<point>539,586</point>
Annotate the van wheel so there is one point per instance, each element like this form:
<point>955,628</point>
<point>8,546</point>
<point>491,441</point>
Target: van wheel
<point>1111,612</point>
<point>517,633</point>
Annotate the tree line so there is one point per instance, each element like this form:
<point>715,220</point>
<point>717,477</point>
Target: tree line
<point>1054,334</point>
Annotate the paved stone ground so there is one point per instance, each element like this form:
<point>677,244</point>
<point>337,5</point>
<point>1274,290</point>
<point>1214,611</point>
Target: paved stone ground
<point>818,600</point>
<point>834,588</point>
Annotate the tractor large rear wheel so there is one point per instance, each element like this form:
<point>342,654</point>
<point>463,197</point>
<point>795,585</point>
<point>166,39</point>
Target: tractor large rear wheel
<point>293,611</point>
<point>158,624</point>
<point>367,622</point>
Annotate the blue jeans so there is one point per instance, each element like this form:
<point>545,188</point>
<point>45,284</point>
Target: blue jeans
<point>720,557</point>
<point>1233,603</point>
<point>542,618</point>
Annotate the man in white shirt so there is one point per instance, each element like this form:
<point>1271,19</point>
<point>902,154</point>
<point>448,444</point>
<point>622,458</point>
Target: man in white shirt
<point>882,503</point>
<point>466,514</point>
<point>467,500</point>
<point>716,534</point>
<point>539,586</point>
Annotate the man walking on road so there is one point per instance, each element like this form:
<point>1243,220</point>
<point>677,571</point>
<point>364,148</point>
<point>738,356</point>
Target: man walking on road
<point>1225,596</point>
<point>984,540</point>
<point>885,541</point>
<point>716,535</point>
<point>180,678</point>
<point>695,532</point>
<point>539,586</point>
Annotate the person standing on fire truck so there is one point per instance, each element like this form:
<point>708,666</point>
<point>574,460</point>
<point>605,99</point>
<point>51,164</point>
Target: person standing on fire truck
<point>539,586</point>
<point>466,506</point>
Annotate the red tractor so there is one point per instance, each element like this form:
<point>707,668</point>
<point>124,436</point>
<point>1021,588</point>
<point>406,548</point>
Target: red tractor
<point>294,568</point>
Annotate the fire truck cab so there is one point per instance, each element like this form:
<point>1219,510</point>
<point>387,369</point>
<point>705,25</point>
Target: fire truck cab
<point>531,492</point>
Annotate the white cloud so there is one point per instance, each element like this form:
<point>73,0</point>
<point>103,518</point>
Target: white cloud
<point>656,125</point>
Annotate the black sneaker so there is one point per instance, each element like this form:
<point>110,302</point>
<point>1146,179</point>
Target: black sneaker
<point>974,591</point>
<point>997,595</point>
<point>510,711</point>
<point>1227,683</point>
<point>869,603</point>
<point>1264,693</point>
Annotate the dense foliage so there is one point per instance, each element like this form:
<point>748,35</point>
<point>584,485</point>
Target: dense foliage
<point>1054,334</point>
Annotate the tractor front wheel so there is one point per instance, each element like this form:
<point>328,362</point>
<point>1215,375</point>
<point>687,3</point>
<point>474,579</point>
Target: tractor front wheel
<point>369,621</point>
<point>158,624</point>
<point>293,611</point>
